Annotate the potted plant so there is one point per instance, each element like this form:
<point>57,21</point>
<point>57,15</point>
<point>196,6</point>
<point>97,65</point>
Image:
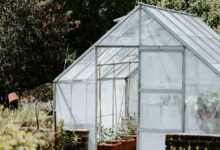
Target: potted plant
<point>107,141</point>
<point>127,136</point>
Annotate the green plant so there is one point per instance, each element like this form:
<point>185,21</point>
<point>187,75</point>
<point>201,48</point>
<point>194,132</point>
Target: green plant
<point>105,134</point>
<point>66,138</point>
<point>132,128</point>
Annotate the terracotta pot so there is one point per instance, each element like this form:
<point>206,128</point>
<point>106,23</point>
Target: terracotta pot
<point>128,142</point>
<point>110,145</point>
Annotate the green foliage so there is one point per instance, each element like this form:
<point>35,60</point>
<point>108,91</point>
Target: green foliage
<point>32,41</point>
<point>105,134</point>
<point>66,138</point>
<point>16,129</point>
<point>96,18</point>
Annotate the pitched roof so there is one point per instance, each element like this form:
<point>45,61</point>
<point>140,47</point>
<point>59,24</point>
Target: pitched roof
<point>174,28</point>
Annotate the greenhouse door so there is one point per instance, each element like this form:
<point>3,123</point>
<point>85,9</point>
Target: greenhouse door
<point>161,105</point>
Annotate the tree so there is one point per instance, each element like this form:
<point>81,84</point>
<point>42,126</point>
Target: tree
<point>32,40</point>
<point>96,18</point>
<point>209,10</point>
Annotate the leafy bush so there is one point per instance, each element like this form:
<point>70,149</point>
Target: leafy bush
<point>16,132</point>
<point>19,130</point>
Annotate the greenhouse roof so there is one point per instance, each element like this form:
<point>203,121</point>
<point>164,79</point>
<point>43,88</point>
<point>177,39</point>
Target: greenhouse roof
<point>179,29</point>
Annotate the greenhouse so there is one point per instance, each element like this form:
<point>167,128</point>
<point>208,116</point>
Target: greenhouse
<point>157,71</point>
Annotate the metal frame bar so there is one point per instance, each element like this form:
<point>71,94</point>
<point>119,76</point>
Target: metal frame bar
<point>139,77</point>
<point>160,130</point>
<point>117,46</point>
<point>54,115</point>
<point>84,80</point>
<point>183,42</point>
<point>162,91</point>
<point>96,96</point>
<point>119,63</point>
<point>183,91</point>
<point>127,100</point>
<point>107,79</point>
<point>162,48</point>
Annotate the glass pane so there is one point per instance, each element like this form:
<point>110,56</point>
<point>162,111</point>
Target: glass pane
<point>63,105</point>
<point>161,70</point>
<point>117,62</point>
<point>152,141</point>
<point>154,34</point>
<point>201,80</point>
<point>83,69</point>
<point>161,111</point>
<point>112,103</point>
<point>124,34</point>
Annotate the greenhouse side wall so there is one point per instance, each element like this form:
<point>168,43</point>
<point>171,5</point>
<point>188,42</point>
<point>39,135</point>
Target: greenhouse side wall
<point>76,97</point>
<point>75,106</point>
<point>202,97</point>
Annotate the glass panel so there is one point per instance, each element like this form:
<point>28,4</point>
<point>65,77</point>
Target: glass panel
<point>63,102</point>
<point>198,49</point>
<point>124,34</point>
<point>83,69</point>
<point>117,62</point>
<point>207,28</point>
<point>161,70</point>
<point>177,22</point>
<point>116,55</point>
<point>152,141</point>
<point>161,111</point>
<point>112,108</point>
<point>163,19</point>
<point>132,88</point>
<point>154,34</point>
<point>201,115</point>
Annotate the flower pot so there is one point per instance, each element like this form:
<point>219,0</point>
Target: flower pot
<point>128,142</point>
<point>110,145</point>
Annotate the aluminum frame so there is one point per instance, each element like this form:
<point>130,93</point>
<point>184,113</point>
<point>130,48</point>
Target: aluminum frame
<point>139,77</point>
<point>96,94</point>
<point>141,48</point>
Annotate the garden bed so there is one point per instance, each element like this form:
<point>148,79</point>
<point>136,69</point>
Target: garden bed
<point>192,142</point>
